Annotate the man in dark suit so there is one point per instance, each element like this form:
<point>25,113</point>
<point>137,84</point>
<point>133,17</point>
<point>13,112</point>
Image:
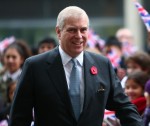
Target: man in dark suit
<point>45,83</point>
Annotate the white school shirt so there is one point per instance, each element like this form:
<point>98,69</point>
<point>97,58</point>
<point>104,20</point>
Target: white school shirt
<point>14,76</point>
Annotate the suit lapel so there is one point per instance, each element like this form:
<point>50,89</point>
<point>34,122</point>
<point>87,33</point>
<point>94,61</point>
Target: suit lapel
<point>88,79</point>
<point>57,75</point>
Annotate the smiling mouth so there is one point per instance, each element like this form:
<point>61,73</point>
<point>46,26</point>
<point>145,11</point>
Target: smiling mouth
<point>77,43</point>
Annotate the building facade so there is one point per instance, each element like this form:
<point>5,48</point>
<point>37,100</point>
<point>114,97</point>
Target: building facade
<point>34,19</point>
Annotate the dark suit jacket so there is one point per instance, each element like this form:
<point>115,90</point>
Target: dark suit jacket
<point>43,86</point>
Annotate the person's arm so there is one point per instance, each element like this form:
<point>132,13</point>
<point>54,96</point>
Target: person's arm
<point>119,102</point>
<point>146,115</point>
<point>148,43</point>
<point>21,110</point>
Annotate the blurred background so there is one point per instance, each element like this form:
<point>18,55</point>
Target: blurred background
<point>34,19</point>
<point>27,27</point>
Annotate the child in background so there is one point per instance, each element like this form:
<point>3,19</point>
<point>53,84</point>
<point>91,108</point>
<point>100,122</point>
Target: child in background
<point>46,44</point>
<point>139,61</point>
<point>134,88</point>
<point>14,57</point>
<point>113,50</point>
<point>146,116</point>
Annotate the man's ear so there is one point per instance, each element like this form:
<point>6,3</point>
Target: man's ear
<point>58,32</point>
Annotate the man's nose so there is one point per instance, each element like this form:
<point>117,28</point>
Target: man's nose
<point>79,34</point>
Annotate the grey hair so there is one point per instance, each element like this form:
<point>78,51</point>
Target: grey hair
<point>71,11</point>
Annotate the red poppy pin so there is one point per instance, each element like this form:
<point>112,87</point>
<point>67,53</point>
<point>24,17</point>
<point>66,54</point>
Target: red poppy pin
<point>94,70</point>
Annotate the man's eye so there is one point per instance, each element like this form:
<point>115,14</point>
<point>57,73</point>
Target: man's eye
<point>71,30</point>
<point>84,30</point>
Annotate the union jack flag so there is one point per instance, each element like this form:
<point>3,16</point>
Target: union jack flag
<point>94,39</point>
<point>114,58</point>
<point>108,113</point>
<point>109,118</point>
<point>145,16</point>
<point>128,48</point>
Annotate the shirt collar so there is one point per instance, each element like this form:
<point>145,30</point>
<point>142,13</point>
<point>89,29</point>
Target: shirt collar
<point>66,58</point>
<point>15,75</point>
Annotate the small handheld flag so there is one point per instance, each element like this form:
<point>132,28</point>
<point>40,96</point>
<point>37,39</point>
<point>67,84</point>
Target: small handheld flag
<point>114,58</point>
<point>7,41</point>
<point>94,39</point>
<point>145,16</point>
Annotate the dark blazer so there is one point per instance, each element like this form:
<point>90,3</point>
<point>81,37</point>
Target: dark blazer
<point>43,86</point>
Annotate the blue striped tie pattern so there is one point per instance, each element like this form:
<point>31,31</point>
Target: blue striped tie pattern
<point>74,90</point>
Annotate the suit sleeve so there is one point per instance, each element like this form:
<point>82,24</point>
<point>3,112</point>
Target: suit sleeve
<point>21,110</point>
<point>119,102</point>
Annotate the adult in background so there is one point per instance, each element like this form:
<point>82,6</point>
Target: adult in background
<point>61,99</point>
<point>126,37</point>
<point>146,115</point>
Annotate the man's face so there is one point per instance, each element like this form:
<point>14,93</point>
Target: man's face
<point>73,37</point>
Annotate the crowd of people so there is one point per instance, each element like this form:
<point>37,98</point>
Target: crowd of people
<point>133,70</point>
<point>131,66</point>
<point>12,60</point>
